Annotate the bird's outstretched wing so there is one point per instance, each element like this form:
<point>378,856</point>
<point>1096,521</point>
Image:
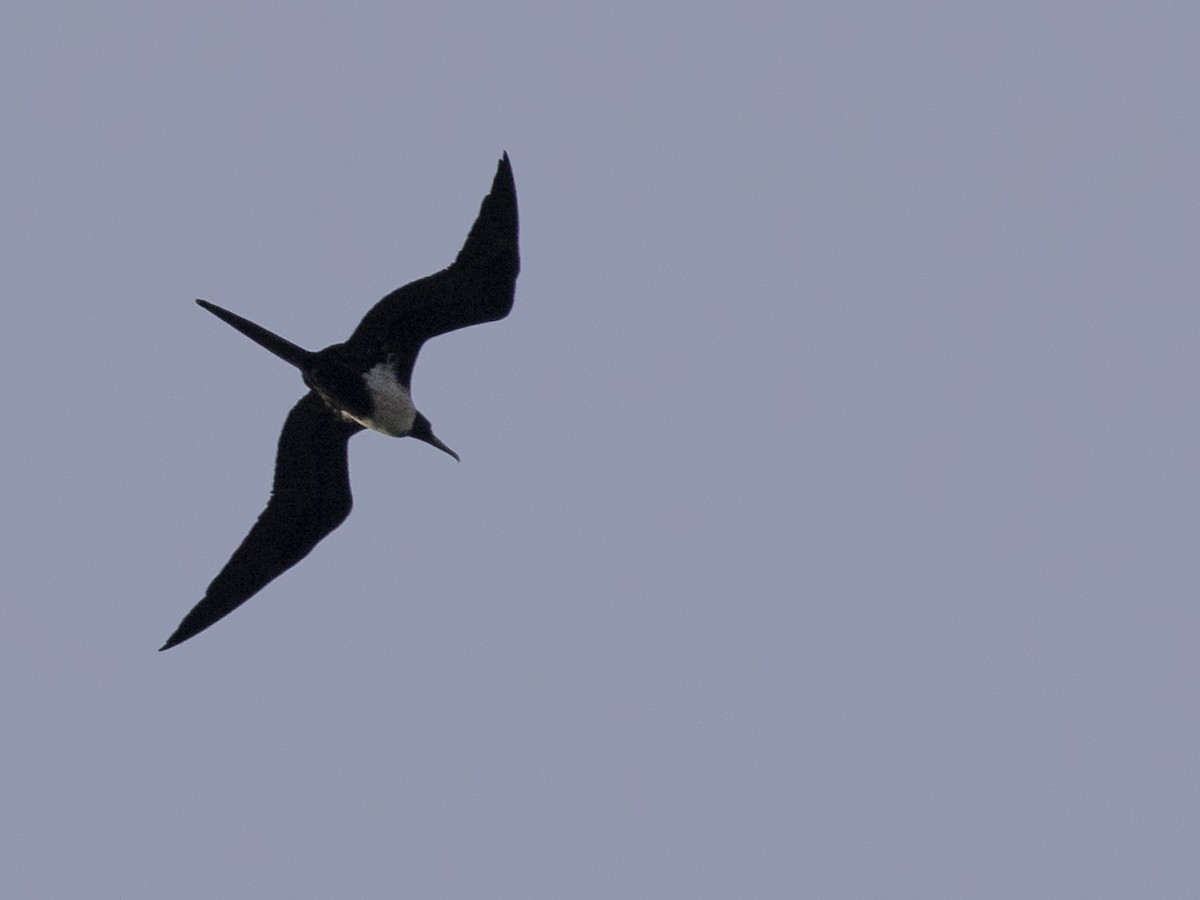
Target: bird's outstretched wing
<point>310,498</point>
<point>477,287</point>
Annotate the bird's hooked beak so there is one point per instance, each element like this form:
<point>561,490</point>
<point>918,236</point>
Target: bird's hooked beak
<point>422,431</point>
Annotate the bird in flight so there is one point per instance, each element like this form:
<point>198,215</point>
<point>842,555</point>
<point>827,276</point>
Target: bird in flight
<point>361,383</point>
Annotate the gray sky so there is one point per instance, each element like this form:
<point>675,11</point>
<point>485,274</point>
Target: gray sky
<point>827,522</point>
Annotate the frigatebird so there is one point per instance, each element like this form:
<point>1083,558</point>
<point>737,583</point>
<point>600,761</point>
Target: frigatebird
<point>361,383</point>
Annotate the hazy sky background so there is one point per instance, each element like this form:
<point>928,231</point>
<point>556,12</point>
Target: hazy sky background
<point>828,513</point>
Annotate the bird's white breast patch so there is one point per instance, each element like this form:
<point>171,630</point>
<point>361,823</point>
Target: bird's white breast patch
<point>393,412</point>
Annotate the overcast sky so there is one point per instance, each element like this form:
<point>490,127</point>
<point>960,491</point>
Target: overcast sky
<point>827,519</point>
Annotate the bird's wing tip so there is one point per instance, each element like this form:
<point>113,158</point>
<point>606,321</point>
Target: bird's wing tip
<point>177,637</point>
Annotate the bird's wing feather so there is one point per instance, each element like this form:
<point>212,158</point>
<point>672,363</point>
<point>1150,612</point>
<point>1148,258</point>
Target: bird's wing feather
<point>477,287</point>
<point>309,499</point>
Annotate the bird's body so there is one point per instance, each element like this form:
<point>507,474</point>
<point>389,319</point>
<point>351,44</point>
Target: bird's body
<point>364,382</point>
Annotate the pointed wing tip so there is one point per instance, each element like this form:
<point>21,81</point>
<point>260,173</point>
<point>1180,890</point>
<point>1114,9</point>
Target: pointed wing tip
<point>199,618</point>
<point>504,168</point>
<point>185,630</point>
<point>191,626</point>
<point>172,641</point>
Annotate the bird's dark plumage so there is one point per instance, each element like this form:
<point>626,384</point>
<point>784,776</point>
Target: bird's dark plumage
<point>362,382</point>
<point>478,287</point>
<point>309,499</point>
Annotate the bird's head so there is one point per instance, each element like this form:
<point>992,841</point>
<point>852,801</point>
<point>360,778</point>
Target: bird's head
<point>422,431</point>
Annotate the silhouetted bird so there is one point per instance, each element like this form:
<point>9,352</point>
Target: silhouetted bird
<point>362,383</point>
